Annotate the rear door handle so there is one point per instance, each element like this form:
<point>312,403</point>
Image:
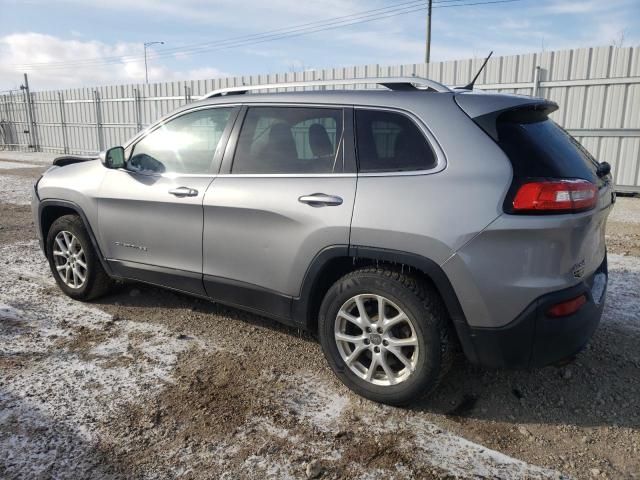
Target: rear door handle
<point>183,192</point>
<point>320,200</point>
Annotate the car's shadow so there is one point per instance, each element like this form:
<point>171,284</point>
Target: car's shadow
<point>600,387</point>
<point>156,299</point>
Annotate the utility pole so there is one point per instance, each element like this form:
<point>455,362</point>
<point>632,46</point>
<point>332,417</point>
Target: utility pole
<point>148,44</point>
<point>427,52</point>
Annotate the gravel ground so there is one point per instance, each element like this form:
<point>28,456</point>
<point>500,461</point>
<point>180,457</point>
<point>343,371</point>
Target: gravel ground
<point>146,383</point>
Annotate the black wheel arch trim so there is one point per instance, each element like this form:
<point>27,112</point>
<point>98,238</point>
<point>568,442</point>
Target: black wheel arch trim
<point>300,305</point>
<point>77,209</point>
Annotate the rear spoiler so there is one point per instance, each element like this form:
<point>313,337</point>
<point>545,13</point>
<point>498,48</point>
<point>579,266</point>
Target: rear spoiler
<point>484,109</point>
<point>70,159</point>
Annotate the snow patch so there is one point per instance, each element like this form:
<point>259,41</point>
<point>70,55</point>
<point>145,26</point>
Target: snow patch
<point>6,165</point>
<point>622,304</point>
<point>626,210</point>
<point>15,190</point>
<point>315,402</point>
<point>73,368</point>
<point>40,158</point>
<point>7,312</point>
<point>322,406</point>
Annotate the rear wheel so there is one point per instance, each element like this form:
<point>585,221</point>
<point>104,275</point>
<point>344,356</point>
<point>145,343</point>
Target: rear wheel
<point>73,260</point>
<point>385,335</point>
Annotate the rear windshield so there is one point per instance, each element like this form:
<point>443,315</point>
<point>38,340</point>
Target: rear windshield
<point>544,149</point>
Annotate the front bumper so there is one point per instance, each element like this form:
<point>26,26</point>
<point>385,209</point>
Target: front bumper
<point>534,339</point>
<point>35,211</point>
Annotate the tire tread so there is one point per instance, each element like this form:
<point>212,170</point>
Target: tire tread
<point>434,313</point>
<point>100,282</point>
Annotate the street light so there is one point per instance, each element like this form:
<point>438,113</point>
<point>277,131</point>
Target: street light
<point>147,44</point>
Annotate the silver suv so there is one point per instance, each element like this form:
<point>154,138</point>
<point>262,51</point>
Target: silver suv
<point>398,224</point>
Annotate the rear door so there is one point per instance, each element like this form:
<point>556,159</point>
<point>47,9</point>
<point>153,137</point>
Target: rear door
<point>285,193</point>
<point>150,213</point>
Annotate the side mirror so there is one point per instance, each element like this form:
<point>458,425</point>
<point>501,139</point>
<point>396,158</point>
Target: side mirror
<point>113,158</point>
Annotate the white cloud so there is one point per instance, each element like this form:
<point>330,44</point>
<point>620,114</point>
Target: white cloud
<point>577,6</point>
<point>585,6</point>
<point>16,50</point>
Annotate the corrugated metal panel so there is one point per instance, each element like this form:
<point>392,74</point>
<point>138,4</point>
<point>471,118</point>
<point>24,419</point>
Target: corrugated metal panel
<point>584,109</point>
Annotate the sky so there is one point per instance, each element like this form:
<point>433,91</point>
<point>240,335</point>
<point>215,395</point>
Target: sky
<point>74,43</point>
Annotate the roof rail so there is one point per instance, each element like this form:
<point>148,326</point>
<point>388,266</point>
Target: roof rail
<point>392,83</point>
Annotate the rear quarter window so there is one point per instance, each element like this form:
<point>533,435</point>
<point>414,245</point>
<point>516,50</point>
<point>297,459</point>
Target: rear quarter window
<point>391,142</point>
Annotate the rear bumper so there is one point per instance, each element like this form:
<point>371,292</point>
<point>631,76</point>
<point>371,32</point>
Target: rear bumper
<point>534,339</point>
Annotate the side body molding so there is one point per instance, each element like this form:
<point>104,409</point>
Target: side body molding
<point>358,253</point>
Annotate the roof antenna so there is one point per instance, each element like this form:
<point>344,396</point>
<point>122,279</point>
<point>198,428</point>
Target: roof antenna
<point>470,85</point>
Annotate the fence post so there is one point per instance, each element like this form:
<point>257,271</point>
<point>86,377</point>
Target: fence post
<point>63,123</point>
<point>99,132</point>
<point>187,94</point>
<point>136,99</point>
<point>5,102</point>
<point>5,126</point>
<point>30,117</point>
<point>536,81</point>
<point>13,121</point>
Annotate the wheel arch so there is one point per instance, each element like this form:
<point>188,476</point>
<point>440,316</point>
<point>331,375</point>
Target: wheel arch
<point>334,262</point>
<point>50,210</point>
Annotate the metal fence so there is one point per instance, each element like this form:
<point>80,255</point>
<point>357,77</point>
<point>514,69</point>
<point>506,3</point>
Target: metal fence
<point>598,90</point>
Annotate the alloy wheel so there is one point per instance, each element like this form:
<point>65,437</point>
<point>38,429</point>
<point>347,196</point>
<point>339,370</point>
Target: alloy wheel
<point>376,339</point>
<point>69,260</point>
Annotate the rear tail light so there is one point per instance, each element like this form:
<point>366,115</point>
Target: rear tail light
<point>556,196</point>
<point>567,308</point>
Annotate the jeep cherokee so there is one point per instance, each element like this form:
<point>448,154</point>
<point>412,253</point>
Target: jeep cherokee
<point>397,223</point>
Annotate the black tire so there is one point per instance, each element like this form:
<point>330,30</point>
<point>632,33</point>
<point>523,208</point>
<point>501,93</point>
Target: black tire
<point>97,281</point>
<point>421,303</point>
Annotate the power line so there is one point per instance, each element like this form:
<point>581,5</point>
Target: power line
<point>264,37</point>
<point>187,48</point>
<point>295,31</point>
<point>401,8</point>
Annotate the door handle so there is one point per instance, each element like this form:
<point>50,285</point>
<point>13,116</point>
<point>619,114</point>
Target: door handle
<point>320,200</point>
<point>183,192</point>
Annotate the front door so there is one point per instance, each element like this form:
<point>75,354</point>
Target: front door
<point>150,213</point>
<point>286,193</point>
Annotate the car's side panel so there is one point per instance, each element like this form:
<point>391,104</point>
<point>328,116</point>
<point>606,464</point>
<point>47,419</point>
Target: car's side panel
<point>140,222</point>
<point>78,184</point>
<point>258,235</point>
<point>256,230</point>
<point>520,258</point>
<point>435,213</point>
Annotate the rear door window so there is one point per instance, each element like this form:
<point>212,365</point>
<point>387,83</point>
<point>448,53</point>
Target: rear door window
<point>276,140</point>
<point>391,142</point>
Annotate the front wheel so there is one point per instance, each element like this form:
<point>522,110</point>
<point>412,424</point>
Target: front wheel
<point>385,334</point>
<point>73,260</point>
